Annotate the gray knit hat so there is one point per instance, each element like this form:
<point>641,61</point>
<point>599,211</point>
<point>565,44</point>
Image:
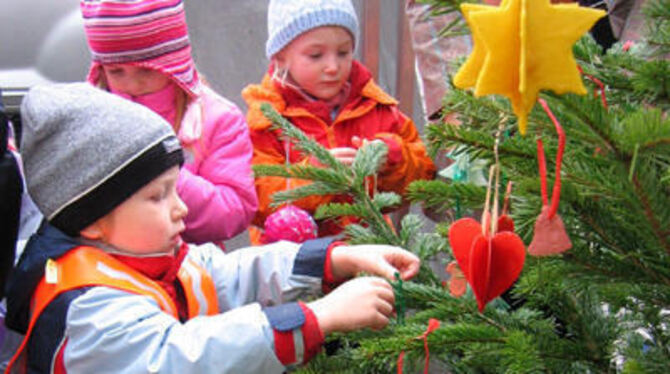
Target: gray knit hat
<point>287,19</point>
<point>85,151</point>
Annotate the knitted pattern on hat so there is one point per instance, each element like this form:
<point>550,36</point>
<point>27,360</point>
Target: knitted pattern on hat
<point>288,19</point>
<point>85,151</point>
<point>145,33</point>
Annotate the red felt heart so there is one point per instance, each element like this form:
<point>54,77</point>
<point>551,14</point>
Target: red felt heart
<point>508,254</point>
<point>490,264</point>
<point>505,223</point>
<point>462,234</point>
<point>479,273</point>
<point>549,237</point>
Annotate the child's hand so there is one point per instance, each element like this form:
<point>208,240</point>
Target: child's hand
<point>358,142</point>
<point>381,260</point>
<point>344,155</point>
<point>359,303</point>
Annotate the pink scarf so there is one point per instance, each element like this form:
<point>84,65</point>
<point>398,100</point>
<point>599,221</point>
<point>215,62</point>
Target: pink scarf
<point>161,102</point>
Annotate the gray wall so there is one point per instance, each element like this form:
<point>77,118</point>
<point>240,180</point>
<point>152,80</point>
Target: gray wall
<point>228,38</point>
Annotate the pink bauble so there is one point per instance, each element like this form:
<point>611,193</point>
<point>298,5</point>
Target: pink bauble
<point>290,223</point>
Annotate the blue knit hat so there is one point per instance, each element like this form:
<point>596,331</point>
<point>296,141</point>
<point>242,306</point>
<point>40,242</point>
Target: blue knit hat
<point>287,19</point>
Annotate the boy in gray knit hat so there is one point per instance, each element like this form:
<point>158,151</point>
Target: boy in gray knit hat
<point>107,286</point>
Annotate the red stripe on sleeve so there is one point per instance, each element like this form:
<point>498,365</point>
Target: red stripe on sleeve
<point>284,347</point>
<point>311,333</point>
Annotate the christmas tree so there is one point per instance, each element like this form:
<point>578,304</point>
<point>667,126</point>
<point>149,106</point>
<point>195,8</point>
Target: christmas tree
<point>601,306</point>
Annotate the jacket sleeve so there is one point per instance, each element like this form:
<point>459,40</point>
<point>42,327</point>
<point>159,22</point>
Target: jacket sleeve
<point>112,331</point>
<point>107,327</point>
<point>269,150</point>
<point>274,275</point>
<point>270,275</point>
<point>407,159</point>
<point>220,195</point>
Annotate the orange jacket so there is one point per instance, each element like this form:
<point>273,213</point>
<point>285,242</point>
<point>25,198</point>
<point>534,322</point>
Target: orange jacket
<point>368,113</point>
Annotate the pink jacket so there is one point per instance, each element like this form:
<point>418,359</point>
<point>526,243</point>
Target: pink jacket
<point>216,182</point>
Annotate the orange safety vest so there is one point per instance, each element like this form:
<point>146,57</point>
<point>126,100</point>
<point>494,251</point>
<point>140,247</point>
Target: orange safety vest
<point>88,266</point>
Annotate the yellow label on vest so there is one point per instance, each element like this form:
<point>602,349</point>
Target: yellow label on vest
<point>51,272</point>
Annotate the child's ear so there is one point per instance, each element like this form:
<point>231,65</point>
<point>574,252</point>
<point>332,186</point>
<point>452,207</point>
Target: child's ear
<point>93,231</point>
<point>279,60</point>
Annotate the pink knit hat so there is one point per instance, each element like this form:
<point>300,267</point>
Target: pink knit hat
<point>146,33</point>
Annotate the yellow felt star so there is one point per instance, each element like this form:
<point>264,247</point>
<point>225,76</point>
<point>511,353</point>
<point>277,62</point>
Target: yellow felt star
<point>528,47</point>
<point>547,62</point>
<point>467,75</point>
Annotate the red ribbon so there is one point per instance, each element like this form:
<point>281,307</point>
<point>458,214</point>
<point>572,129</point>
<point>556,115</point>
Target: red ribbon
<point>433,325</point>
<point>626,46</point>
<point>401,361</point>
<point>556,194</point>
<point>599,83</point>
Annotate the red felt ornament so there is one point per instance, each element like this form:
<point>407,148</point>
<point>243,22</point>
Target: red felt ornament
<point>457,282</point>
<point>550,237</point>
<point>491,260</point>
<point>491,264</point>
<point>289,223</point>
<point>505,222</point>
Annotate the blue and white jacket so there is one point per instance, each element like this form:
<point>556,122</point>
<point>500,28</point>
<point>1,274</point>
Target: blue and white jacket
<point>103,329</point>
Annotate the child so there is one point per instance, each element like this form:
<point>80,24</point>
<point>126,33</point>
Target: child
<point>141,51</point>
<point>316,84</point>
<point>106,285</point>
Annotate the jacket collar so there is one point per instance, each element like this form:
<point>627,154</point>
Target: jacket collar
<point>286,99</point>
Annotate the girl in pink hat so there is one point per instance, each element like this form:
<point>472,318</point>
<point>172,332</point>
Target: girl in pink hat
<point>141,51</point>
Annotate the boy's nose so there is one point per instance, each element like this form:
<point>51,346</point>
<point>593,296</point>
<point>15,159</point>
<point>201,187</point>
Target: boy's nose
<point>180,210</point>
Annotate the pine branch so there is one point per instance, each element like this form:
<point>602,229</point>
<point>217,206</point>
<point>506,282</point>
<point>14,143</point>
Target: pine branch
<point>271,171</point>
<point>449,136</point>
<point>658,25</point>
<point>368,160</point>
<point>337,179</point>
<point>650,216</point>
<point>383,200</point>
<point>437,193</point>
<point>316,188</point>
<point>303,172</point>
<point>299,139</point>
<point>334,210</point>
